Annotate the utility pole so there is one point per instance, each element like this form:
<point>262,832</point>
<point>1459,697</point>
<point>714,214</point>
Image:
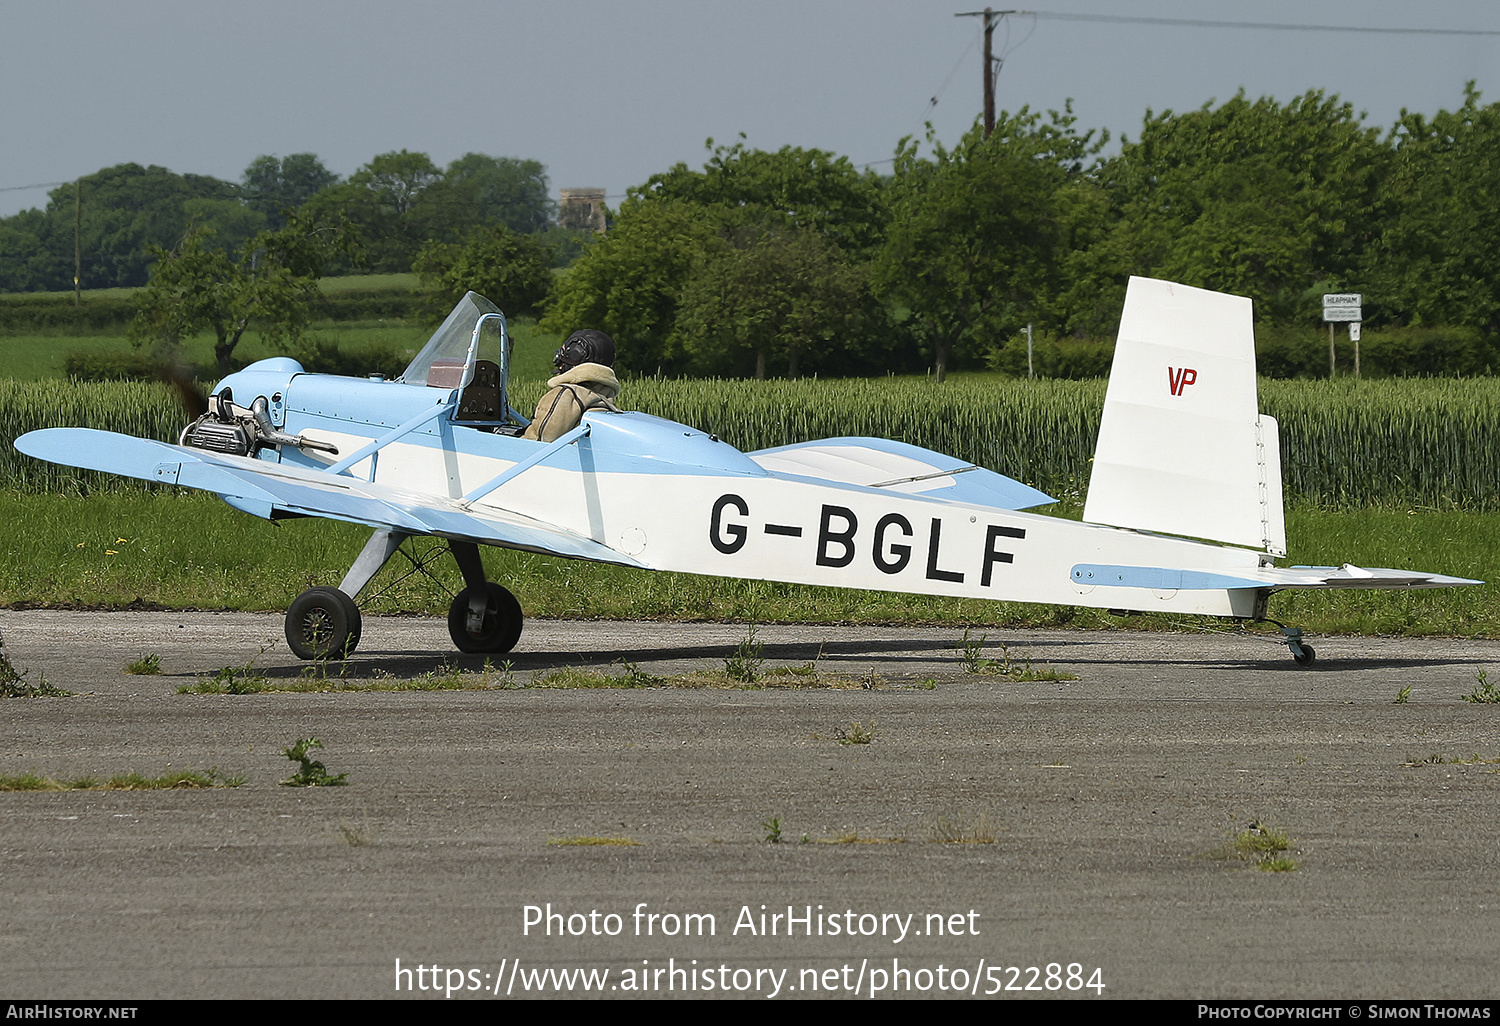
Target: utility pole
<point>991,65</point>
<point>77,241</point>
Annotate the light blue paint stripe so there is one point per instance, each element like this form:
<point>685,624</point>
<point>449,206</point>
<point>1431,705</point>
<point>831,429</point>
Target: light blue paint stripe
<point>1159,578</point>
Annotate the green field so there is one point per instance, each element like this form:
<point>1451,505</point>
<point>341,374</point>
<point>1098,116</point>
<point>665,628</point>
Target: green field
<point>1398,473</point>
<point>37,357</point>
<point>132,550</point>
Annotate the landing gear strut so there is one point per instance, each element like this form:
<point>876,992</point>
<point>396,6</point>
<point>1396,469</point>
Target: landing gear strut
<point>484,618</point>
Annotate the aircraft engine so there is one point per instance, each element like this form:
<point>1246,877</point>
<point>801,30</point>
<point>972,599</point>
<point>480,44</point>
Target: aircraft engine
<point>236,431</point>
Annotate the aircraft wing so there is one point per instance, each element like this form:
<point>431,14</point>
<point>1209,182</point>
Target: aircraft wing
<point>1272,578</point>
<point>264,489</point>
<point>902,468</point>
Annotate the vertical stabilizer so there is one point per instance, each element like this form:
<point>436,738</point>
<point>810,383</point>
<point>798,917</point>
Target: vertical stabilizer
<point>1182,447</point>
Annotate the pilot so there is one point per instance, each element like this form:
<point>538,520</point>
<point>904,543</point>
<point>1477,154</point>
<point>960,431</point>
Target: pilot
<point>584,381</point>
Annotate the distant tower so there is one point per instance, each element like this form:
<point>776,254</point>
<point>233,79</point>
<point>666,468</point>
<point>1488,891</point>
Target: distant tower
<point>582,209</point>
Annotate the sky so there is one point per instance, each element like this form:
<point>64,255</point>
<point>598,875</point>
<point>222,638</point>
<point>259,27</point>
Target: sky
<point>606,93</point>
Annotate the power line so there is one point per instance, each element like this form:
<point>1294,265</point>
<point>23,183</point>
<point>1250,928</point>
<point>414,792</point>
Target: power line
<point>1123,19</point>
<point>38,185</point>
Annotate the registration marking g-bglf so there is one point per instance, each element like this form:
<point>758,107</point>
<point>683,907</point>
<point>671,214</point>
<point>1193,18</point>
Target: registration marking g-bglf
<point>890,546</point>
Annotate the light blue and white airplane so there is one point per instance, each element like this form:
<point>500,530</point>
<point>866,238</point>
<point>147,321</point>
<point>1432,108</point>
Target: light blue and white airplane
<point>1184,510</point>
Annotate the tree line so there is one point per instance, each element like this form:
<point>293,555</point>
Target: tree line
<point>122,217</point>
<point>797,262</point>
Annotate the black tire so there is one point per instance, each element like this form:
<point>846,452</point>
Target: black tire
<point>502,622</point>
<point>1307,656</point>
<point>322,623</point>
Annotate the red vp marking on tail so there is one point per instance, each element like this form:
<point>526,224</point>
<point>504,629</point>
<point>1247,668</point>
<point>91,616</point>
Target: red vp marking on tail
<point>1180,377</point>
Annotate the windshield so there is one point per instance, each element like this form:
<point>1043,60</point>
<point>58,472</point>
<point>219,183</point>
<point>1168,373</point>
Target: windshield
<point>442,360</point>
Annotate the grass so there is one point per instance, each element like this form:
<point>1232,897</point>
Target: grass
<point>148,665</point>
<point>1485,693</point>
<point>962,828</point>
<point>179,780</point>
<point>969,651</point>
<point>853,837</point>
<point>857,734</point>
<point>1262,845</point>
<point>592,842</point>
<point>772,827</point>
<point>39,356</point>
<point>744,665</point>
<point>1438,759</point>
<point>193,552</point>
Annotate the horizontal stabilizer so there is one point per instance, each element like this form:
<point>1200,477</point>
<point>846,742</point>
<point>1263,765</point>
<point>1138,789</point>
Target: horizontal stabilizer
<point>899,467</point>
<point>1158,578</point>
<point>264,488</point>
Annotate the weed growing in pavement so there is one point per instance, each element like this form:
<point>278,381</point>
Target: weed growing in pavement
<point>13,683</point>
<point>961,828</point>
<point>353,835</point>
<point>232,680</point>
<point>1486,693</point>
<point>857,734</point>
<point>313,773</point>
<point>632,676</point>
<point>745,664</point>
<point>970,653</point>
<point>772,827</point>
<point>145,666</point>
<point>181,779</point>
<point>1438,759</point>
<point>1402,696</point>
<point>1262,845</point>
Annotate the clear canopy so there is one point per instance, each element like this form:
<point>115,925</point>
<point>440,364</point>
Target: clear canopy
<point>447,360</point>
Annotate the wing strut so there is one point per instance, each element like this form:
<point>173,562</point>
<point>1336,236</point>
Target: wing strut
<point>561,442</point>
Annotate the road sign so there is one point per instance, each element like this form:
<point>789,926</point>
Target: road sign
<point>1342,306</point>
<point>1354,331</point>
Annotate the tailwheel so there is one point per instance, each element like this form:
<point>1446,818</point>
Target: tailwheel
<point>498,630</point>
<point>1302,652</point>
<point>322,623</point>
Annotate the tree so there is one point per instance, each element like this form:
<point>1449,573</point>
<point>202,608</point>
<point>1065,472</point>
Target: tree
<point>977,232</point>
<point>125,210</point>
<point>271,186</point>
<point>1255,198</point>
<point>631,281</point>
<point>628,282</point>
<point>478,190</point>
<point>512,271</point>
<point>381,201</point>
<point>812,189</point>
<point>271,284</point>
<point>774,293</point>
<point>1436,261</point>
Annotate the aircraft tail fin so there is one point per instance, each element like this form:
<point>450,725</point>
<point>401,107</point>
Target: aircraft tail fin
<point>1182,446</point>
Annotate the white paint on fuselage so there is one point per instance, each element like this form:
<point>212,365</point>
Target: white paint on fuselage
<point>818,533</point>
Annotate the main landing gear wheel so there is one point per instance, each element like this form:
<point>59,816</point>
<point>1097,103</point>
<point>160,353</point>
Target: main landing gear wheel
<point>502,622</point>
<point>322,623</point>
